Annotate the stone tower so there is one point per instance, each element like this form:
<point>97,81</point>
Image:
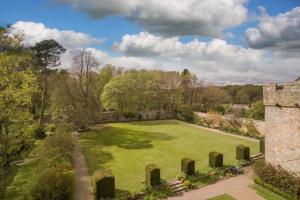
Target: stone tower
<point>282,120</point>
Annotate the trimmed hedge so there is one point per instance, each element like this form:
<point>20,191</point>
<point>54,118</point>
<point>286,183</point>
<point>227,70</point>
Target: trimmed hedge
<point>278,178</point>
<point>262,145</point>
<point>242,152</point>
<point>104,184</point>
<point>188,166</point>
<point>152,173</point>
<point>215,159</point>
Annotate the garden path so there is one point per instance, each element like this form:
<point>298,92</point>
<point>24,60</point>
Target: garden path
<point>83,185</point>
<point>237,187</point>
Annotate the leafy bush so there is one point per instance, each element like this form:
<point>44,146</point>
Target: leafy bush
<point>242,152</point>
<point>185,113</point>
<point>39,133</point>
<point>278,178</point>
<point>262,145</point>
<point>104,184</point>
<point>152,175</point>
<point>161,191</point>
<point>58,148</point>
<point>54,184</point>
<point>188,166</point>
<point>215,159</point>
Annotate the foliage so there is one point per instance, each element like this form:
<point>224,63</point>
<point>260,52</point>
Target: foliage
<point>104,184</point>
<point>244,94</point>
<point>152,176</point>
<point>278,178</point>
<point>58,148</point>
<point>215,159</point>
<point>17,85</point>
<point>265,193</point>
<point>161,191</point>
<point>222,197</point>
<point>256,111</point>
<point>54,184</point>
<point>242,152</point>
<point>185,113</point>
<point>188,166</point>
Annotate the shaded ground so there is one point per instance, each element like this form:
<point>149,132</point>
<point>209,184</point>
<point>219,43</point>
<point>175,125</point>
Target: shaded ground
<point>126,148</point>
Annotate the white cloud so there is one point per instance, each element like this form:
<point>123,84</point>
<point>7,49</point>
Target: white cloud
<point>281,32</point>
<point>176,17</point>
<point>36,32</point>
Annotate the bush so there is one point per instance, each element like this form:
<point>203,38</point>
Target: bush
<point>278,178</point>
<point>104,184</point>
<point>242,152</point>
<point>39,133</point>
<point>58,148</point>
<point>185,113</point>
<point>215,159</point>
<point>262,145</point>
<point>54,184</point>
<point>152,175</point>
<point>188,166</point>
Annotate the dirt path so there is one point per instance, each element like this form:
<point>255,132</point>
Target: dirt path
<point>83,185</point>
<point>220,132</point>
<point>237,187</point>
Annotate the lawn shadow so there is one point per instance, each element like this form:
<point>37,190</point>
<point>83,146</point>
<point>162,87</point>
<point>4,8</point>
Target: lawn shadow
<point>122,194</point>
<point>127,138</point>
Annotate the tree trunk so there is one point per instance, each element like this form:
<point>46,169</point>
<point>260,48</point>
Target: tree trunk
<point>43,97</point>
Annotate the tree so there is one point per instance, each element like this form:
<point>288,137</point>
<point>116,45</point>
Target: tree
<point>47,54</point>
<point>75,95</point>
<point>257,111</point>
<point>17,85</point>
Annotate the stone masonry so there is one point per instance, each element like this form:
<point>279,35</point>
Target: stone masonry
<point>282,125</point>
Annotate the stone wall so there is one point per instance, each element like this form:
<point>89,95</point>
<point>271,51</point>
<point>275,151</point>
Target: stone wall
<point>282,121</point>
<point>113,116</point>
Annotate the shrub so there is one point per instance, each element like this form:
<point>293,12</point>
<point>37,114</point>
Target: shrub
<point>104,184</point>
<point>242,152</point>
<point>152,175</point>
<point>188,166</point>
<point>54,184</point>
<point>185,113</point>
<point>262,145</point>
<point>39,133</point>
<point>58,148</point>
<point>215,159</point>
<point>278,178</point>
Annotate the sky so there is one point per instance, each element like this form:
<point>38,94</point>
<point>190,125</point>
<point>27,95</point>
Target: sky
<point>221,41</point>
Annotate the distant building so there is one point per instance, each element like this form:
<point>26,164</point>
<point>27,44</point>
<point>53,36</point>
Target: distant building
<point>282,121</point>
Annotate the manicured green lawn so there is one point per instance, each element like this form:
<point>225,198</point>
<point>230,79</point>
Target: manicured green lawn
<point>126,148</point>
<point>26,175</point>
<point>265,193</point>
<point>222,197</point>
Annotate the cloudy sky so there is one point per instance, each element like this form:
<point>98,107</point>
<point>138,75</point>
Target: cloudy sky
<point>221,41</point>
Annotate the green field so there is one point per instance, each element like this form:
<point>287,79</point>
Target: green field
<point>126,148</point>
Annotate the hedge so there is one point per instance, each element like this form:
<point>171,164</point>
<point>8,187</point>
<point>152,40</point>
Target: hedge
<point>152,173</point>
<point>188,166</point>
<point>262,145</point>
<point>242,152</point>
<point>215,159</point>
<point>278,178</point>
<point>104,184</point>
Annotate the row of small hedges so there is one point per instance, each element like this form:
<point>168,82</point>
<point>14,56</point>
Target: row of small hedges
<point>57,181</point>
<point>280,179</point>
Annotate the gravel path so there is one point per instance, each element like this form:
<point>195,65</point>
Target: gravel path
<point>83,185</point>
<point>237,187</point>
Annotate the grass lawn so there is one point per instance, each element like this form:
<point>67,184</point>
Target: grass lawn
<point>222,197</point>
<point>126,148</point>
<point>26,175</point>
<point>265,193</point>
